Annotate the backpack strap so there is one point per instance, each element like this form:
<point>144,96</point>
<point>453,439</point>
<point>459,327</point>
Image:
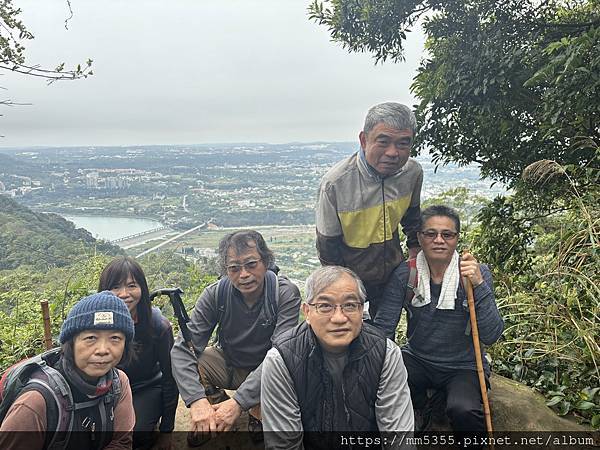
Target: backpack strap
<point>52,414</point>
<point>272,298</point>
<point>105,405</point>
<point>223,297</point>
<point>411,284</point>
<point>35,374</point>
<point>225,292</point>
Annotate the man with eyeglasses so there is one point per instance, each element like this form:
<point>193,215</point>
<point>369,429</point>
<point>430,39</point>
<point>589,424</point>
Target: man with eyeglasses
<point>364,198</point>
<point>333,372</point>
<point>251,306</point>
<point>439,351</point>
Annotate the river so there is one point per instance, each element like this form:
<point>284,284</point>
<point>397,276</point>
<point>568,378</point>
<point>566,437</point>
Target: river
<point>111,228</point>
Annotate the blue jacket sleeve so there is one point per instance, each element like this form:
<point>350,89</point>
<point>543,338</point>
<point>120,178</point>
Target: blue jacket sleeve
<point>489,322</point>
<point>390,308</point>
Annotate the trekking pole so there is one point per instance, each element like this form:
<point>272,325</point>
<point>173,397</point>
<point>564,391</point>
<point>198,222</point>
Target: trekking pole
<point>174,295</point>
<point>47,331</point>
<point>478,361</point>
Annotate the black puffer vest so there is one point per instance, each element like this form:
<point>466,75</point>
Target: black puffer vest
<point>304,360</point>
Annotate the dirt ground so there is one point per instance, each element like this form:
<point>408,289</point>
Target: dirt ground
<point>226,441</point>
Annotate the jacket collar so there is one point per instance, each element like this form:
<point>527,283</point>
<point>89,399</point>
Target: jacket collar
<point>365,168</point>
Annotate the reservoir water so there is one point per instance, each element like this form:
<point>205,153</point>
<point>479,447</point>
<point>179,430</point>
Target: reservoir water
<point>111,228</point>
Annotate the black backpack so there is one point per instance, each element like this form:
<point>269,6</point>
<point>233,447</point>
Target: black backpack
<point>37,374</point>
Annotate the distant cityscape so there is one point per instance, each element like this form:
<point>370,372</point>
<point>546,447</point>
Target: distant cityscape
<point>226,186</point>
<point>237,185</point>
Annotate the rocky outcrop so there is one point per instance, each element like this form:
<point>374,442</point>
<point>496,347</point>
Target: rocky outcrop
<point>515,407</point>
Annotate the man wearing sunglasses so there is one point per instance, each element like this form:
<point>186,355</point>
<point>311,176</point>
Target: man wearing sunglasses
<point>365,198</point>
<point>439,351</point>
<point>251,306</point>
<point>333,372</point>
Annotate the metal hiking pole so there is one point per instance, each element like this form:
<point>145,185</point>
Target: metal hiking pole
<point>179,310</point>
<point>478,359</point>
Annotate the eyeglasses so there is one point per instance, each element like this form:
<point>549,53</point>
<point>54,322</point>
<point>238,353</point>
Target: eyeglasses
<point>430,235</point>
<point>248,265</point>
<point>327,309</point>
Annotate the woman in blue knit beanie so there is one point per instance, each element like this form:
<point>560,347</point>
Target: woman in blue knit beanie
<point>76,397</point>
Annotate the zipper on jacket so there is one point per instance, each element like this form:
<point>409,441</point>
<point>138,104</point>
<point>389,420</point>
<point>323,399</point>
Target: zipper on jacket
<point>384,226</point>
<point>345,407</point>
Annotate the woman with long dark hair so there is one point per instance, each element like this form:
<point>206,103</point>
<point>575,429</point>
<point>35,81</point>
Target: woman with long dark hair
<point>154,390</point>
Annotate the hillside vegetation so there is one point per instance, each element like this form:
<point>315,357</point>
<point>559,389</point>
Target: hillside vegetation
<point>21,290</point>
<point>40,240</point>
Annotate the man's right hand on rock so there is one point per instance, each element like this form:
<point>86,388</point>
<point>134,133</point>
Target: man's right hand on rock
<point>202,416</point>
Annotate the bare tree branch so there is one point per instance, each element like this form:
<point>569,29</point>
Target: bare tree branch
<point>70,17</point>
<point>50,75</point>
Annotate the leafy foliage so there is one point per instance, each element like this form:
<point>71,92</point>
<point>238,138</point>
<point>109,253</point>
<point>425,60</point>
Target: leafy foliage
<point>506,83</point>
<point>552,314</point>
<point>43,240</point>
<point>21,290</point>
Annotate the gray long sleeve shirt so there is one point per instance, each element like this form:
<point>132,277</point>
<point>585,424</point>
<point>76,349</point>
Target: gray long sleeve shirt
<point>281,411</point>
<point>243,324</point>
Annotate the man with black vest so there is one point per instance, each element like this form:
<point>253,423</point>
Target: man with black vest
<point>333,372</point>
<point>251,306</point>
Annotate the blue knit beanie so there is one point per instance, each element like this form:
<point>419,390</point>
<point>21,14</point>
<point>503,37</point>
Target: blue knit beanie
<point>101,311</point>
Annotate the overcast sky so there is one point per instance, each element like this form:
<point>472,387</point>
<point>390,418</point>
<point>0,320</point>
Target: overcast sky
<point>193,72</point>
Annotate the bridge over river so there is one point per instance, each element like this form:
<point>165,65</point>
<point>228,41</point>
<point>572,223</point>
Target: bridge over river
<point>133,240</point>
<point>174,238</point>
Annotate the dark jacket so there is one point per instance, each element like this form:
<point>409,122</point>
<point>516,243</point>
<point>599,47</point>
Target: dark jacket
<point>439,337</point>
<point>152,365</point>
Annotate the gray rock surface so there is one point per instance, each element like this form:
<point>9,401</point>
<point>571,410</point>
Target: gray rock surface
<point>515,407</point>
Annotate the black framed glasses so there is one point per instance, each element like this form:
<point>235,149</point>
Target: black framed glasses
<point>248,265</point>
<point>328,309</point>
<point>447,235</point>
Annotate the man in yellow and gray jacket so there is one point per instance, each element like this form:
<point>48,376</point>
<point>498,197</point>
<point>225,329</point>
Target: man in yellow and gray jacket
<point>364,198</point>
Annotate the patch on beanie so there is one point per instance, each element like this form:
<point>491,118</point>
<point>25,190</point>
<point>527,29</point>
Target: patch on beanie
<point>104,317</point>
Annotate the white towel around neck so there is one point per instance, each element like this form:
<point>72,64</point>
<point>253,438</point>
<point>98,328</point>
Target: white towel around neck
<point>449,283</point>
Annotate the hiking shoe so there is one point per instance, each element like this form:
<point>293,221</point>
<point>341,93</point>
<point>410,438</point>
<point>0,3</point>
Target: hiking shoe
<point>422,420</point>
<point>196,439</point>
<point>255,429</point>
